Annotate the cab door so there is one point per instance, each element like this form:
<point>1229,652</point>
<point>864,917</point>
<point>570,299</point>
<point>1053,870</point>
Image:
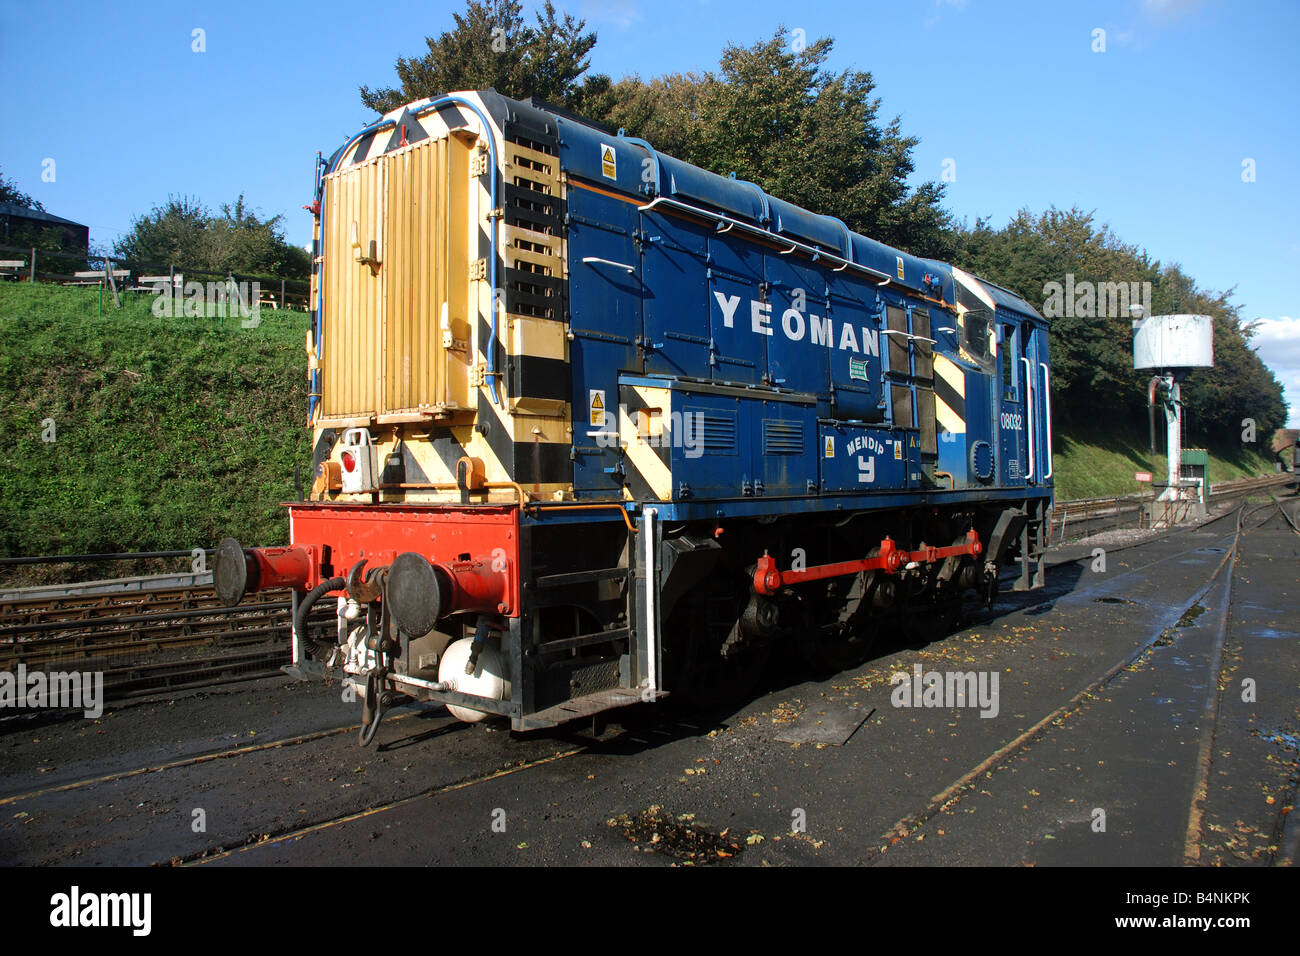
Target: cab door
<point>604,328</point>
<point>1040,408</point>
<point>1013,405</point>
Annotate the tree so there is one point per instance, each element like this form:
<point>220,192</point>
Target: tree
<point>174,233</point>
<point>182,232</point>
<point>9,192</point>
<point>1093,378</point>
<point>774,115</point>
<point>242,242</point>
<point>491,46</point>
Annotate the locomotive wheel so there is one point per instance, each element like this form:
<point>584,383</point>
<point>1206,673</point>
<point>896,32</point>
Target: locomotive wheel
<point>932,620</point>
<point>702,677</point>
<point>835,649</point>
<point>843,633</point>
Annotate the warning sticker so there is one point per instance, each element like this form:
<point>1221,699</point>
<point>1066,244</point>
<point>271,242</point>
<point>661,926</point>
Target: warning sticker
<point>597,404</point>
<point>609,165</point>
<point>900,265</point>
<point>830,446</point>
<point>898,450</point>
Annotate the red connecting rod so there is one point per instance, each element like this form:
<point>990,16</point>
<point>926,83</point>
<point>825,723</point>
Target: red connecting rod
<point>768,580</point>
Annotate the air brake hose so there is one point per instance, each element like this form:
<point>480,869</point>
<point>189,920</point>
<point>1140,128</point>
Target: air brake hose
<point>305,606</point>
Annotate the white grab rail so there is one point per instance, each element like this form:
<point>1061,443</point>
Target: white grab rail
<point>1029,415</point>
<point>1047,407</point>
<point>596,260</point>
<point>651,604</point>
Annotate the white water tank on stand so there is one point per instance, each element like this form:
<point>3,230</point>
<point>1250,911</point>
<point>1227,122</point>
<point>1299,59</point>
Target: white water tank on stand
<point>1168,345</point>
<point>1173,342</point>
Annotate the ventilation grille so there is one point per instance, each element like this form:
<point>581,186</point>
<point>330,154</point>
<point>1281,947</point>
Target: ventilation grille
<point>927,421</point>
<point>719,433</point>
<point>533,214</point>
<point>897,320</point>
<point>782,437</point>
<point>901,397</point>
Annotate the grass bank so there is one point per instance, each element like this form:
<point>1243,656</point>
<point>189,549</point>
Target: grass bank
<point>130,432</point>
<point>1100,462</point>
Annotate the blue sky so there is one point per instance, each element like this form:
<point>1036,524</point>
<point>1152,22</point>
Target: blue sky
<point>1152,133</point>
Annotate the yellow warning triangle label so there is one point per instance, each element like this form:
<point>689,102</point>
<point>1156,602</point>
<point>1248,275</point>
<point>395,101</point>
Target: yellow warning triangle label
<point>596,403</point>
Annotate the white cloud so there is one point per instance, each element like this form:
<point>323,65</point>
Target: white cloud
<point>1277,342</point>
<point>1156,15</point>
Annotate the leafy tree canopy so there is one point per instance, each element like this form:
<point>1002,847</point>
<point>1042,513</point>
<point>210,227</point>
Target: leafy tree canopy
<point>492,46</point>
<point>774,115</point>
<point>1093,378</point>
<point>184,233</point>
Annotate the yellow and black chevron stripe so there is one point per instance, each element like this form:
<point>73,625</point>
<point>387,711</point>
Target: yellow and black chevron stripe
<point>949,396</point>
<point>646,434</point>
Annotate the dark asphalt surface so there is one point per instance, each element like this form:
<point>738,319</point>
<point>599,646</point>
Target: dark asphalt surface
<point>1167,732</point>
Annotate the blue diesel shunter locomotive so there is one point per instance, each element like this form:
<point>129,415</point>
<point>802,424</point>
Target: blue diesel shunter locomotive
<point>593,425</point>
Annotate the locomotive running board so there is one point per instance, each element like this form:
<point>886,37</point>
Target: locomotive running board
<point>587,706</point>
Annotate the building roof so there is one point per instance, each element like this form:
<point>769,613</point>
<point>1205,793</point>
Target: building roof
<point>27,212</point>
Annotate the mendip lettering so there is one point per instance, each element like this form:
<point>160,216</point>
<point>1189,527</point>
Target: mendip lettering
<point>868,443</point>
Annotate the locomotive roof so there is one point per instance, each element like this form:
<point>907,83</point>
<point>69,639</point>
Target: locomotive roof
<point>580,154</point>
<point>653,174</point>
<point>1006,299</point>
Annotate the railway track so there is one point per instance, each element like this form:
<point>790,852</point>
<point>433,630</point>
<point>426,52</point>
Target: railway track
<point>1072,520</point>
<point>320,821</point>
<point>1245,519</point>
<point>179,637</point>
<point>147,640</point>
<point>947,799</point>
